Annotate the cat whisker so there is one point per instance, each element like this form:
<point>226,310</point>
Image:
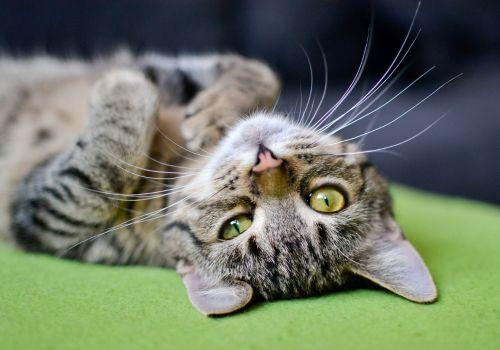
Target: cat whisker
<point>325,84</point>
<point>379,84</point>
<point>153,178</point>
<point>115,228</point>
<point>401,115</point>
<point>369,128</point>
<point>293,111</point>
<point>159,171</point>
<point>291,114</point>
<point>300,92</point>
<point>312,106</point>
<point>276,102</point>
<point>352,85</point>
<point>193,205</point>
<point>166,137</point>
<point>311,83</point>
<point>396,62</point>
<point>361,110</point>
<point>391,146</point>
<point>135,197</point>
<point>177,153</point>
<point>168,164</point>
<point>142,218</point>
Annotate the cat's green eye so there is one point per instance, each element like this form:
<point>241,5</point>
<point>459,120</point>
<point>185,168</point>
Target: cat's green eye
<point>327,199</point>
<point>236,226</point>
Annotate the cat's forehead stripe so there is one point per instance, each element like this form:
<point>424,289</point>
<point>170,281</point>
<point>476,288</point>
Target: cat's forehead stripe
<point>328,166</point>
<point>224,204</point>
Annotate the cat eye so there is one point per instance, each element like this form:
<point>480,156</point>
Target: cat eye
<point>327,199</point>
<point>236,226</point>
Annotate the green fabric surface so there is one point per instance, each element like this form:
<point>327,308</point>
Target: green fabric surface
<point>47,303</point>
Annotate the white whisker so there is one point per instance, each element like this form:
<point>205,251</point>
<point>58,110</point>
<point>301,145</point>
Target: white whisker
<point>396,62</point>
<point>369,128</point>
<point>151,195</point>
<point>181,147</point>
<point>386,76</point>
<point>325,84</point>
<point>276,103</point>
<point>311,83</point>
<point>402,114</point>
<point>143,218</point>
<point>352,85</point>
<point>355,119</point>
<point>168,164</point>
<point>391,146</point>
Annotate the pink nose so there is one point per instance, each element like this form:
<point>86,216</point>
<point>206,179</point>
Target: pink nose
<point>265,160</point>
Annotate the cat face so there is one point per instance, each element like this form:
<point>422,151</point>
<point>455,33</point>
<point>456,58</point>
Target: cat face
<point>288,212</point>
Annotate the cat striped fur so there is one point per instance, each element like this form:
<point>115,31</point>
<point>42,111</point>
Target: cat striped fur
<point>146,160</point>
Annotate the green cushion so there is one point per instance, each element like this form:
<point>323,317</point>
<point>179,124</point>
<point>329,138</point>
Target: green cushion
<point>47,303</point>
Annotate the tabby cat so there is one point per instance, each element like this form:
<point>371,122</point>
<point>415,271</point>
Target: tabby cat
<point>179,162</point>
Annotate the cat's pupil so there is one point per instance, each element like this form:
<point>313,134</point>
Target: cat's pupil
<point>327,202</point>
<point>236,226</point>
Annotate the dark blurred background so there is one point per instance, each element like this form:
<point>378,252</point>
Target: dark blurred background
<point>459,155</point>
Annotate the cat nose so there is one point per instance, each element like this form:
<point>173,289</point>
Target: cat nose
<point>266,160</point>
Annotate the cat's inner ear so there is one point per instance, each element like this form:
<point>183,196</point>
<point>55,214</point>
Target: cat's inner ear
<point>211,297</point>
<point>393,263</point>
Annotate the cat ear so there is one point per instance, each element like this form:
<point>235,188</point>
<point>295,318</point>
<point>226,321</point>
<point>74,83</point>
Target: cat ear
<point>393,263</point>
<point>214,297</point>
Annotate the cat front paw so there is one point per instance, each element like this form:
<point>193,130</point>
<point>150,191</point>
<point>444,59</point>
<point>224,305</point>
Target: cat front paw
<point>174,85</point>
<point>123,94</point>
<point>207,119</point>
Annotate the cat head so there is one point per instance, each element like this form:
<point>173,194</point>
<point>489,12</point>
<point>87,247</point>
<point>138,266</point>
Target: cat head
<point>285,211</point>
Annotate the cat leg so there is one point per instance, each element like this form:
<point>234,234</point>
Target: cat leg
<point>66,200</point>
<point>241,86</point>
<point>216,89</point>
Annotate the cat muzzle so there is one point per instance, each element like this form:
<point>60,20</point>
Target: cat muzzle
<point>269,174</point>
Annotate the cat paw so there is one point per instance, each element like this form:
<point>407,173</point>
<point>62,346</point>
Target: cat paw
<point>208,117</point>
<point>246,86</point>
<point>123,93</point>
<point>174,85</point>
